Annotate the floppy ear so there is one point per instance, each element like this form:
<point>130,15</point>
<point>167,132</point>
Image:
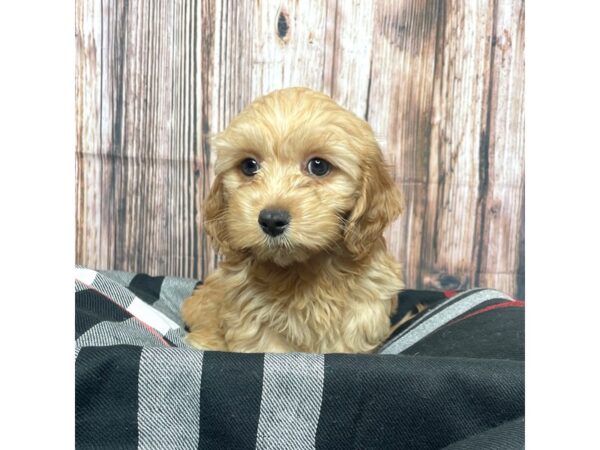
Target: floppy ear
<point>214,211</point>
<point>378,204</point>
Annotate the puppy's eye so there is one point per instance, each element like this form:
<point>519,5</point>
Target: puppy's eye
<point>249,167</point>
<point>318,167</point>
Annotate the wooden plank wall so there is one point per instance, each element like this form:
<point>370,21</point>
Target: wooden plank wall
<point>440,82</point>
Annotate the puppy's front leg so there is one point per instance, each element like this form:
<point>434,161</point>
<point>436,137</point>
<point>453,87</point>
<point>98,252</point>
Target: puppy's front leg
<point>201,313</point>
<point>366,326</point>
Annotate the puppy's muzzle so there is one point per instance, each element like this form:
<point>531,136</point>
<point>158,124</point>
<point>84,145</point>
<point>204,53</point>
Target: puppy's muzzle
<point>274,221</point>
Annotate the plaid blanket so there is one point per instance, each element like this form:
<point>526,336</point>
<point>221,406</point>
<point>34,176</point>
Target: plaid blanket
<point>453,377</point>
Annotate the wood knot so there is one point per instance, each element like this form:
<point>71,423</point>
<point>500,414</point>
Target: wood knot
<point>283,25</point>
<point>449,282</point>
<point>503,42</point>
<point>495,208</point>
<point>443,281</point>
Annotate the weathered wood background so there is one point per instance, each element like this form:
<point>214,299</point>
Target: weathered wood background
<point>440,82</point>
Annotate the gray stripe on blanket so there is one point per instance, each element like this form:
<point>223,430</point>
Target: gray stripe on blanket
<point>177,337</point>
<point>438,320</point>
<point>169,398</point>
<point>128,332</point>
<point>113,290</point>
<point>79,286</point>
<point>123,278</point>
<point>291,401</point>
<point>173,292</point>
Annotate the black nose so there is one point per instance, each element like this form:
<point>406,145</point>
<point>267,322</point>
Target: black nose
<point>274,221</point>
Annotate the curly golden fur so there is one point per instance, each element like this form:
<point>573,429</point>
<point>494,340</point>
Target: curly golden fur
<point>327,283</point>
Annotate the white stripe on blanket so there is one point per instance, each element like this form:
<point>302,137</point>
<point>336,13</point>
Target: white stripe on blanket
<point>86,276</point>
<point>150,316</point>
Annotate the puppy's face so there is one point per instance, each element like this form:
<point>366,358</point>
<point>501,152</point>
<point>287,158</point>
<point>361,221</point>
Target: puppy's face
<point>297,175</point>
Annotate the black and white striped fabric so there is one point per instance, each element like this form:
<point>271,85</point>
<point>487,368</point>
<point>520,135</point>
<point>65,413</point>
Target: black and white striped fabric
<point>451,378</point>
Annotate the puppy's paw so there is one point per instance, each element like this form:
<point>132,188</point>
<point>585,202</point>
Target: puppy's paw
<point>205,340</point>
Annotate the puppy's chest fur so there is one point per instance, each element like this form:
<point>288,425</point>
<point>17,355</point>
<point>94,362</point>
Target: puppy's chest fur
<point>325,306</point>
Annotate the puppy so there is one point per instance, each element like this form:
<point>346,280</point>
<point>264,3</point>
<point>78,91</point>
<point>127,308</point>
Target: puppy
<point>298,207</point>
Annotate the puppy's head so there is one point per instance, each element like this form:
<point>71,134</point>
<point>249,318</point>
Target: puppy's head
<point>297,175</point>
